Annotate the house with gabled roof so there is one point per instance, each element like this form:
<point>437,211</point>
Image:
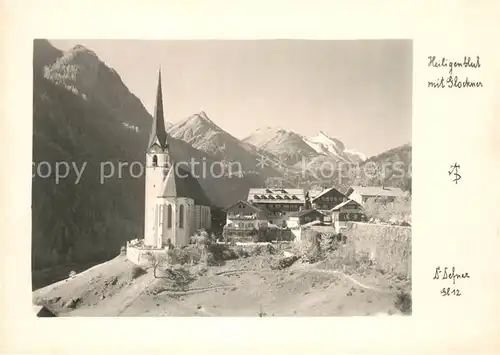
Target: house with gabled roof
<point>347,211</point>
<point>242,217</point>
<point>327,199</point>
<point>299,218</point>
<point>361,194</point>
<point>297,221</point>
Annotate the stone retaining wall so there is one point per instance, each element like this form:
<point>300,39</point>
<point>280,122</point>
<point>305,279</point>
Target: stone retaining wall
<point>388,246</point>
<point>139,255</point>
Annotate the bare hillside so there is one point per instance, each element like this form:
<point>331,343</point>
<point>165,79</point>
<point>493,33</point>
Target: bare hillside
<point>246,286</point>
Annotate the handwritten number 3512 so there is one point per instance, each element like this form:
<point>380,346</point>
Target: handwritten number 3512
<point>448,291</point>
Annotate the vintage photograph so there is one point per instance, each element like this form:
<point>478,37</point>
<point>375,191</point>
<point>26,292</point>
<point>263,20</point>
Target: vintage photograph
<point>235,178</point>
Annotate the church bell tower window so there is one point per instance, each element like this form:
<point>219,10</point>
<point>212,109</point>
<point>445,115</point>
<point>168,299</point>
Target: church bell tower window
<point>169,216</point>
<point>155,161</point>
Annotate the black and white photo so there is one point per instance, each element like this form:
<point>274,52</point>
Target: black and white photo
<point>236,178</point>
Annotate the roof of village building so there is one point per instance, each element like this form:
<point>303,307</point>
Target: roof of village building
<point>314,192</point>
<point>342,204</point>
<point>246,204</point>
<point>158,136</point>
<point>312,223</point>
<point>304,212</point>
<point>276,195</point>
<point>324,192</point>
<point>376,191</point>
<point>180,182</point>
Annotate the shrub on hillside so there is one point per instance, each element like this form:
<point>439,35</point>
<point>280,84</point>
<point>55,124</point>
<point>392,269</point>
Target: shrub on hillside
<point>137,271</point>
<point>157,261</point>
<point>284,262</point>
<point>265,249</point>
<point>241,252</point>
<point>201,237</point>
<point>344,258</point>
<point>331,241</point>
<point>403,302</point>
<point>218,253</point>
<point>309,247</point>
<point>257,238</point>
<point>183,255</point>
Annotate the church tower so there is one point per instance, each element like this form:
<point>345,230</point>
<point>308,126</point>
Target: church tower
<point>157,166</point>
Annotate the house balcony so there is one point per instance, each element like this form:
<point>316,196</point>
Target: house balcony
<point>241,217</point>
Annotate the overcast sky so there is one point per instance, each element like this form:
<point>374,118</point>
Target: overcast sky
<point>357,91</point>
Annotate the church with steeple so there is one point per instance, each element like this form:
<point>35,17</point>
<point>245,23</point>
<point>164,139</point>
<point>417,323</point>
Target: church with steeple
<point>176,205</point>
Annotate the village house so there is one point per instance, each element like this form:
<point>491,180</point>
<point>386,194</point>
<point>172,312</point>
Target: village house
<point>292,209</point>
<point>347,211</point>
<point>326,199</point>
<point>361,194</point>
<point>277,202</point>
<point>297,219</point>
<point>243,217</point>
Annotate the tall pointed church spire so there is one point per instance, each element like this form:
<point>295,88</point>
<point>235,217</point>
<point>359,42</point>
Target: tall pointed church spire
<point>158,132</point>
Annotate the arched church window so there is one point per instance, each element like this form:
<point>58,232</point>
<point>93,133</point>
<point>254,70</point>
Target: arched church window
<point>181,216</point>
<point>155,161</point>
<point>169,216</point>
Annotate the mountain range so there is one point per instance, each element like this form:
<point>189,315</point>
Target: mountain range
<point>291,147</point>
<point>84,113</point>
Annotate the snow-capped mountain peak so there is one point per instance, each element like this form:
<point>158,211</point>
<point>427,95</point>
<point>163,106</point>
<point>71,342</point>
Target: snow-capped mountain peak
<point>201,118</point>
<point>354,154</point>
<point>293,146</point>
<point>324,144</point>
<point>195,125</point>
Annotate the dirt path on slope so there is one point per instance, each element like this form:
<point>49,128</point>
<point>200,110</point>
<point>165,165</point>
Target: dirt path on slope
<point>171,291</point>
<point>347,277</point>
<point>305,270</point>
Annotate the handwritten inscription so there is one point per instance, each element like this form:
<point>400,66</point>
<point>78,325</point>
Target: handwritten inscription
<point>452,275</point>
<point>452,80</point>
